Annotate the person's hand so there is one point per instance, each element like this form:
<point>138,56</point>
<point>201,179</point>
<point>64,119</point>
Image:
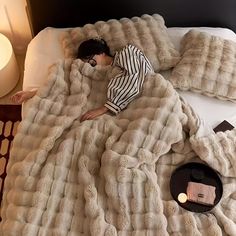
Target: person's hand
<point>22,96</point>
<point>90,115</point>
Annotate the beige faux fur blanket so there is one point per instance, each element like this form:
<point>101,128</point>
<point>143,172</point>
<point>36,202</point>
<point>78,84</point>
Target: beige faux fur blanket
<point>110,176</point>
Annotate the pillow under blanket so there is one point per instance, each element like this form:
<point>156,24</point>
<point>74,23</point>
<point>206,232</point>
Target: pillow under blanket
<point>147,32</point>
<point>207,66</point>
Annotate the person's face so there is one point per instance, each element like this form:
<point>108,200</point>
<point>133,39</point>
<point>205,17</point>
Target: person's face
<point>91,61</point>
<point>98,60</point>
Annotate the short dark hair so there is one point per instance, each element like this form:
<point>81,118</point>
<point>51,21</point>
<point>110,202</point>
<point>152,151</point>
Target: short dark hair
<point>92,47</point>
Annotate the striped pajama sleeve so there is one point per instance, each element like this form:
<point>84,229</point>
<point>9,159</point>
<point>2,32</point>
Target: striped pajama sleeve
<point>124,87</point>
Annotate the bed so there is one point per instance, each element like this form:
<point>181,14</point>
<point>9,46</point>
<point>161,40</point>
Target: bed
<point>111,175</point>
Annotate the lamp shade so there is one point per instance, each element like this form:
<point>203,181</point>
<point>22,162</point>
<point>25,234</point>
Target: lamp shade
<point>9,70</point>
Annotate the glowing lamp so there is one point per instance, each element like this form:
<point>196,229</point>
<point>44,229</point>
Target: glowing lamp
<point>9,71</point>
<point>182,197</point>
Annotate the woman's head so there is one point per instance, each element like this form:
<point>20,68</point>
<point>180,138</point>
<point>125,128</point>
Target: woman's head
<point>94,51</point>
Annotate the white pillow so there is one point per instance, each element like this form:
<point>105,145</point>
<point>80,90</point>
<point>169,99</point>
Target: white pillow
<point>44,50</point>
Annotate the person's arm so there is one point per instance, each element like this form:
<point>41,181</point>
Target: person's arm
<point>127,85</point>
<point>22,96</point>
<point>92,114</point>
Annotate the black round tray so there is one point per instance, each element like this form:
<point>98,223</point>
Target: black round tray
<point>195,172</point>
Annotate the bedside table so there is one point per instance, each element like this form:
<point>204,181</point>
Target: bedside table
<point>197,173</point>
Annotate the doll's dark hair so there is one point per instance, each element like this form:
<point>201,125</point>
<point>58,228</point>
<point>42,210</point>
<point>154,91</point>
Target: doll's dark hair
<point>92,47</point>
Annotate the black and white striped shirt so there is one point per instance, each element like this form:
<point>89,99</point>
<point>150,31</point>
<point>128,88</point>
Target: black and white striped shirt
<point>124,87</point>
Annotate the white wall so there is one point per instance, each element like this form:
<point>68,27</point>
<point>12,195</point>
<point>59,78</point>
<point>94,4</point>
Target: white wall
<point>14,24</point>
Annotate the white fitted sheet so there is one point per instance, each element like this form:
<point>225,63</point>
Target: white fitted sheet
<point>45,49</point>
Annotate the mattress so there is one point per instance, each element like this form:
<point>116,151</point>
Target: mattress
<point>45,49</point>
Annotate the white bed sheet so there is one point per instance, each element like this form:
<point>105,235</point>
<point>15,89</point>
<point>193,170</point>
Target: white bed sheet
<point>45,49</point>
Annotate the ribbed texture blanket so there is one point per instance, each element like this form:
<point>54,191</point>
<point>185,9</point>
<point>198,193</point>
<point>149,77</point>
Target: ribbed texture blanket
<point>109,176</point>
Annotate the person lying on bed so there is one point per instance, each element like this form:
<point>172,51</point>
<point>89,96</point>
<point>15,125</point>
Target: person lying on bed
<point>123,88</point>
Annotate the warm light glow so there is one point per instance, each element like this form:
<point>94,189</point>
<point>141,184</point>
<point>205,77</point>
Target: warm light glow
<point>182,197</point>
<point>9,71</point>
<point>5,51</point>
